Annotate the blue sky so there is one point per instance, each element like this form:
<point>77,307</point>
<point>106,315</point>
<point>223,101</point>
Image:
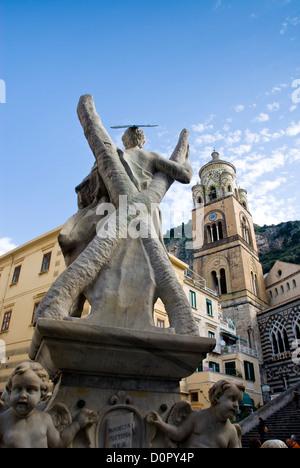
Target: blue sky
<point>224,69</point>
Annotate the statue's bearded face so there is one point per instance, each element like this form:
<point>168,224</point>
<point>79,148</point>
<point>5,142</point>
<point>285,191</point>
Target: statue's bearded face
<point>133,137</point>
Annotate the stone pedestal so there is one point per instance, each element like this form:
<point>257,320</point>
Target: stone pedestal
<point>122,374</point>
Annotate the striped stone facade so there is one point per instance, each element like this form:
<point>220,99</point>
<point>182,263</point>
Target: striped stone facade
<point>279,329</point>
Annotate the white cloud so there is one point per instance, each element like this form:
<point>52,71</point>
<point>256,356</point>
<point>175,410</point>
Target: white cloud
<point>293,129</point>
<point>201,127</point>
<point>274,106</point>
<point>269,185</point>
<point>253,166</point>
<point>289,21</point>
<point>283,29</point>
<point>242,149</point>
<point>209,138</point>
<point>218,5</point>
<point>266,209</point>
<point>239,108</point>
<point>267,136</point>
<point>262,117</point>
<point>6,245</point>
<point>176,206</point>
<point>251,137</point>
<point>233,137</point>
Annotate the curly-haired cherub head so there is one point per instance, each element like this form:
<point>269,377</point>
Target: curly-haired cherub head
<point>133,137</point>
<point>228,395</point>
<point>21,369</point>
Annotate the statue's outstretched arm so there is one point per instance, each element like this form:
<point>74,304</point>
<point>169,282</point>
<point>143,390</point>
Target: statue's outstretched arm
<point>110,167</point>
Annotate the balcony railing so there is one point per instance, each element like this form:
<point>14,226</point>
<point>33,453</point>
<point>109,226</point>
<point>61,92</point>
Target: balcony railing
<point>198,281</point>
<point>238,348</point>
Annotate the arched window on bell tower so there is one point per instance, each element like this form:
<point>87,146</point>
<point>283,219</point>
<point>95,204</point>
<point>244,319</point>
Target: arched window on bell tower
<point>212,193</point>
<point>246,230</point>
<point>214,281</point>
<point>254,283</point>
<point>218,281</point>
<point>223,281</point>
<point>220,230</point>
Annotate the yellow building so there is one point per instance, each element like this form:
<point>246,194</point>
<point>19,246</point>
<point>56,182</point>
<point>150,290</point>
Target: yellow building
<point>282,282</point>
<point>26,275</point>
<point>28,271</point>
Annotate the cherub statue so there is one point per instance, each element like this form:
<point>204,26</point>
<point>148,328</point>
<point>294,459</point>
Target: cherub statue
<point>207,428</point>
<point>22,425</point>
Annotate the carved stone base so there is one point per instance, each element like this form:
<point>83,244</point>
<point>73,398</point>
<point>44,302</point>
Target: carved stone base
<point>123,374</point>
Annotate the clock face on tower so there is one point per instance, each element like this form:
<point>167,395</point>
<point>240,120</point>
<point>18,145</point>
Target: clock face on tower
<point>212,216</point>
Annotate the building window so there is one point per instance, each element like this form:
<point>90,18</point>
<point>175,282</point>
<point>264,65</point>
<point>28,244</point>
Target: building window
<point>160,323</point>
<point>194,396</point>
<point>223,281</point>
<point>214,366</point>
<point>220,230</point>
<point>296,326</point>
<point>279,339</point>
<point>249,371</point>
<point>254,283</point>
<point>212,193</point>
<point>288,286</point>
<point>294,283</point>
<point>230,368</point>
<point>215,232</point>
<point>46,262</point>
<point>211,334</point>
<point>246,230</point>
<point>193,299</point>
<point>6,321</point>
<point>34,311</point>
<point>209,307</point>
<point>214,281</point>
<point>16,275</point>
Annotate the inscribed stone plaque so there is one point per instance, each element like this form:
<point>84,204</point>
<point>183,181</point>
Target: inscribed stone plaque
<point>119,431</point>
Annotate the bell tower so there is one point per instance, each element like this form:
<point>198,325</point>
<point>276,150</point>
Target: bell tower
<point>225,250</point>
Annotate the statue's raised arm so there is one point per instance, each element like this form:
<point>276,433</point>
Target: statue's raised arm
<point>144,178</point>
<point>110,167</point>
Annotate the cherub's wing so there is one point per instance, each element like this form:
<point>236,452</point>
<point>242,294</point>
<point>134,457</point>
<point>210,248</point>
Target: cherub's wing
<point>239,433</point>
<point>179,412</point>
<point>61,416</point>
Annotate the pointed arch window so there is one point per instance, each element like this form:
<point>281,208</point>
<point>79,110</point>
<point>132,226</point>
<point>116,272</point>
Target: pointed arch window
<point>279,339</point>
<point>245,230</point>
<point>296,326</point>
<point>254,283</point>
